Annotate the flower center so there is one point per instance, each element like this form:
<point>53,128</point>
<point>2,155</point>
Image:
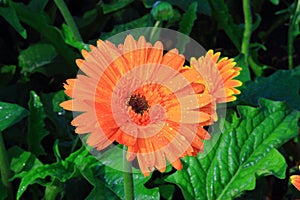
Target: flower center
<point>138,103</point>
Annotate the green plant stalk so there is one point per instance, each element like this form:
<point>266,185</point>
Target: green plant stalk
<point>69,19</point>
<point>4,169</point>
<point>247,30</point>
<point>154,29</point>
<point>53,190</point>
<point>291,35</point>
<point>257,69</point>
<point>127,175</point>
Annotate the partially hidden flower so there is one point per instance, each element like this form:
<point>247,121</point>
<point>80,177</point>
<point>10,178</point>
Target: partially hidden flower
<point>138,96</point>
<point>217,76</point>
<point>295,180</point>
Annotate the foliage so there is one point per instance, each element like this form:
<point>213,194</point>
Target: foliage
<point>255,148</point>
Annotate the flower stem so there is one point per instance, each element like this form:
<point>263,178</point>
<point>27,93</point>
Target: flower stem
<point>127,175</point>
<point>154,30</point>
<point>69,19</point>
<point>247,30</point>
<point>4,169</point>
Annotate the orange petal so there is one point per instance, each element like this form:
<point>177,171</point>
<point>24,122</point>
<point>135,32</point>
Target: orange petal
<point>173,59</point>
<point>177,164</point>
<point>67,105</point>
<point>295,179</point>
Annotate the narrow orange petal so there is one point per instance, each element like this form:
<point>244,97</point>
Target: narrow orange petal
<point>177,164</point>
<point>173,59</point>
<point>67,105</point>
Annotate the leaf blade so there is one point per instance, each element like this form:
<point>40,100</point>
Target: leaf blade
<point>36,56</point>
<point>245,150</point>
<point>10,15</point>
<point>10,114</point>
<point>36,125</point>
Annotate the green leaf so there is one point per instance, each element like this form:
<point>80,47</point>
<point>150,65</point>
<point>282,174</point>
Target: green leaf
<point>59,172</point>
<point>36,56</point>
<point>144,21</point>
<point>283,85</point>
<point>245,150</point>
<point>58,116</point>
<point>89,166</point>
<point>58,97</point>
<point>37,5</point>
<point>10,15</point>
<point>115,5</point>
<point>245,73</point>
<point>53,189</point>
<point>21,160</point>
<point>36,124</point>
<point>221,13</point>
<point>101,192</point>
<point>55,170</point>
<point>167,191</point>
<point>7,72</point>
<point>21,163</point>
<point>69,39</point>
<point>114,180</point>
<point>187,23</point>
<point>188,19</point>
<point>10,114</point>
<point>41,23</point>
<point>275,2</point>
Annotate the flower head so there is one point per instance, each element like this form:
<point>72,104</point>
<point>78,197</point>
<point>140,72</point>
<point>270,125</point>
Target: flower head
<point>219,76</point>
<point>138,96</point>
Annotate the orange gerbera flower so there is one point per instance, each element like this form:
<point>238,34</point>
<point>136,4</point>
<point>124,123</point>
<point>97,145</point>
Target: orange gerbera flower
<point>142,98</point>
<point>295,179</point>
<point>219,76</point>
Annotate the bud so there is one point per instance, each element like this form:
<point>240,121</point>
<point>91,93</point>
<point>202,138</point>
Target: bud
<point>162,11</point>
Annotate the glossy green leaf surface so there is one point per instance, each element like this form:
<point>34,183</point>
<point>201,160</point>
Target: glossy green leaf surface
<point>68,35</point>
<point>62,171</point>
<point>245,150</point>
<point>283,85</point>
<point>10,114</point>
<point>21,160</point>
<point>36,56</point>
<point>40,22</point>
<point>36,124</point>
